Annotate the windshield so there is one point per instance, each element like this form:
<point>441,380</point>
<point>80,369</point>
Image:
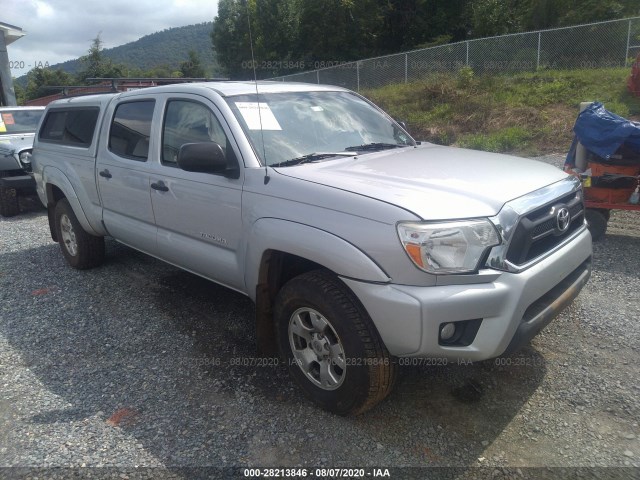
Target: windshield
<point>19,121</point>
<point>305,126</point>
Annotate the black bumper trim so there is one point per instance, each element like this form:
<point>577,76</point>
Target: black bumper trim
<point>22,181</point>
<point>546,308</point>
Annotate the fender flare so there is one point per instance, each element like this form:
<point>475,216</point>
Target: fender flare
<point>54,176</point>
<point>314,244</point>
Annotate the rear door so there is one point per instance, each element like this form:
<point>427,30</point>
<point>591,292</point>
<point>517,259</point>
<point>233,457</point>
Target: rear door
<point>123,167</point>
<point>198,215</point>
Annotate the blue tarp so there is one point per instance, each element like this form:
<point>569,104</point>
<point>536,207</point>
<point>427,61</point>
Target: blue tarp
<point>602,132</point>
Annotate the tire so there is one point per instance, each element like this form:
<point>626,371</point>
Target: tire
<point>80,249</point>
<point>597,223</point>
<point>321,323</point>
<point>9,205</point>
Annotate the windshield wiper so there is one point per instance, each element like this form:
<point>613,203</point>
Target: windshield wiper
<point>310,157</point>
<point>374,146</point>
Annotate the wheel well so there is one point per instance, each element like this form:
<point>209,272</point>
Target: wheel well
<point>597,220</point>
<point>54,195</point>
<point>276,269</point>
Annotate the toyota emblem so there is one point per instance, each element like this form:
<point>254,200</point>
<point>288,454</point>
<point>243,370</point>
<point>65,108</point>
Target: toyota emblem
<point>563,219</point>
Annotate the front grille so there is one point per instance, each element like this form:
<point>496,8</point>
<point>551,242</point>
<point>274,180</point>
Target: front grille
<point>538,232</point>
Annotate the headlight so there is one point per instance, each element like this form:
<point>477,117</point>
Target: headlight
<point>448,247</point>
<point>25,161</point>
<point>25,157</point>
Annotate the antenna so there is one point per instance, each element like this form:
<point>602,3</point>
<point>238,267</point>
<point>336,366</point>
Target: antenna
<point>255,80</point>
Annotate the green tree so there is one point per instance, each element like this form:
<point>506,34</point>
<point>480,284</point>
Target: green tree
<point>585,11</point>
<point>542,14</point>
<point>192,67</point>
<point>21,93</point>
<point>38,79</point>
<point>230,37</point>
<point>339,30</point>
<point>409,24</point>
<point>275,28</point>
<point>321,32</point>
<point>274,31</point>
<point>96,65</point>
<point>496,17</point>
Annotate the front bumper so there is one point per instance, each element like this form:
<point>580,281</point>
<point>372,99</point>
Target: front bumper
<point>513,308</point>
<point>21,182</point>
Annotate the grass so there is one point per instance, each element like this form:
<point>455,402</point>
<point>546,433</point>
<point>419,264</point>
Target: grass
<point>505,140</point>
<point>525,113</point>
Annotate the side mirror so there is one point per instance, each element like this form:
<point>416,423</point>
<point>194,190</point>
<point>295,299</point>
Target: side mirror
<point>403,125</point>
<point>206,157</point>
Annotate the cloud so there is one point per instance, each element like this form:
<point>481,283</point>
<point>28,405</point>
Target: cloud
<point>43,9</point>
<point>59,30</point>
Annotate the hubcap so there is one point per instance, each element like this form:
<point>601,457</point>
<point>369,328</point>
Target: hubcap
<point>68,235</point>
<point>316,348</point>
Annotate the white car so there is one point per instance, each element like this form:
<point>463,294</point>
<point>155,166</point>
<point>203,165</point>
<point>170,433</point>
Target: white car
<point>17,129</point>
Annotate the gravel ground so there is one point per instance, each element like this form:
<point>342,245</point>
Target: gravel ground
<point>135,365</point>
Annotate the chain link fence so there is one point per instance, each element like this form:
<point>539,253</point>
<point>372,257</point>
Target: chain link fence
<point>597,45</point>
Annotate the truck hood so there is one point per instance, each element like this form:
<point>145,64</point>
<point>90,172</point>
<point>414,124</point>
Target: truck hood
<point>432,181</point>
<point>16,143</point>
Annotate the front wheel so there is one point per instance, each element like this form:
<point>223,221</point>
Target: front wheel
<point>331,346</point>
<point>80,249</point>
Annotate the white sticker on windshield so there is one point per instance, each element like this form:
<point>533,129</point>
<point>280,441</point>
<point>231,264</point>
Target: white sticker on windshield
<point>253,117</point>
<point>317,108</point>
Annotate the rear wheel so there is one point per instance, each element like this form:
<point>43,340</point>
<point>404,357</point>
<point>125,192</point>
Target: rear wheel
<point>80,249</point>
<point>9,205</point>
<point>597,222</point>
<point>331,345</point>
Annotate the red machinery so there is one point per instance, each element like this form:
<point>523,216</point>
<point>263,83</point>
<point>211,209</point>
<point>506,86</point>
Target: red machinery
<point>608,187</point>
<point>606,155</point>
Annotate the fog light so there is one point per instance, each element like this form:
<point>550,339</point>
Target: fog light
<point>447,331</point>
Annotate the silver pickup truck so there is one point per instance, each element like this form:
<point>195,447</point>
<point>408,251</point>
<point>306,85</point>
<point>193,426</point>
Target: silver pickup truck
<point>361,247</point>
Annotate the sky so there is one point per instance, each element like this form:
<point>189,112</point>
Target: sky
<point>60,30</point>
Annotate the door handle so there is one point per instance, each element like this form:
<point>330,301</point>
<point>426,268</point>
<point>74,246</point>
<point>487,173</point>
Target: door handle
<point>105,173</point>
<point>160,186</point>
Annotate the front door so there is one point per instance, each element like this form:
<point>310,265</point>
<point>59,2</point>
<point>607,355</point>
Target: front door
<point>198,215</point>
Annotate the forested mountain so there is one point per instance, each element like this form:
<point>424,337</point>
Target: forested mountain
<point>162,51</point>
<point>292,35</point>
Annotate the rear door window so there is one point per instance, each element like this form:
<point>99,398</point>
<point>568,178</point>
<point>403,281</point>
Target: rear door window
<point>131,129</point>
